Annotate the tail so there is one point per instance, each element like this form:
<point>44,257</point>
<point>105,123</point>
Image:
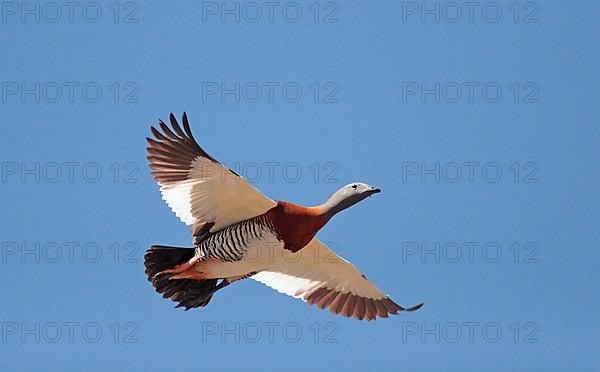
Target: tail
<point>188,293</point>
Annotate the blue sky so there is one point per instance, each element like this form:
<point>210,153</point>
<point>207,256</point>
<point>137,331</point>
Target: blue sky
<point>481,128</point>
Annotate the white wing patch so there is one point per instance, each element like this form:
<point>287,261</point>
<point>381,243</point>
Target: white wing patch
<point>214,194</point>
<point>316,266</point>
<point>196,187</point>
<point>287,284</point>
<point>318,276</point>
<point>178,197</point>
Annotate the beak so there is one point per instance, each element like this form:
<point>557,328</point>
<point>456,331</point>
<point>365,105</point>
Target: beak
<point>373,191</point>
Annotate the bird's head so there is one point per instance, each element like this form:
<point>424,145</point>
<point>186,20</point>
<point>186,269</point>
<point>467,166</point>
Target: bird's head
<point>347,196</point>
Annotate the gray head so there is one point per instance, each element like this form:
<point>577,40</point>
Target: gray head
<point>347,196</point>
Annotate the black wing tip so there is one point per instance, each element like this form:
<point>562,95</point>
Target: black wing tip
<point>178,137</point>
<point>154,130</point>
<point>186,134</point>
<point>185,308</point>
<point>416,307</point>
<point>175,125</point>
<point>173,118</point>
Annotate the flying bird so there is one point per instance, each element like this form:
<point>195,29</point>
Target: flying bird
<point>240,233</point>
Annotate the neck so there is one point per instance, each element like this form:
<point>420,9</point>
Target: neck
<point>333,206</point>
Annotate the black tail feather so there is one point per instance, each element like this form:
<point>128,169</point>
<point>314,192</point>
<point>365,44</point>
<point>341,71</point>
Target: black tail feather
<point>159,258</point>
<point>188,293</point>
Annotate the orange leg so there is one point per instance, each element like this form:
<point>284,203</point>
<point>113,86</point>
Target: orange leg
<point>180,269</point>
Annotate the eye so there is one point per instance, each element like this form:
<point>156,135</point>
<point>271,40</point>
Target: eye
<point>354,186</point>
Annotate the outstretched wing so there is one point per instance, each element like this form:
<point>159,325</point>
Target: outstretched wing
<point>318,276</point>
<point>200,190</point>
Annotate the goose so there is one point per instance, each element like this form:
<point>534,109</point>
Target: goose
<point>239,233</point>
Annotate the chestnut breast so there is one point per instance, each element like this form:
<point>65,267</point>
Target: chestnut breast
<point>296,225</point>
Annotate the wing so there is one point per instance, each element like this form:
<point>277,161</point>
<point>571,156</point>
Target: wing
<point>318,276</point>
<point>201,191</point>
